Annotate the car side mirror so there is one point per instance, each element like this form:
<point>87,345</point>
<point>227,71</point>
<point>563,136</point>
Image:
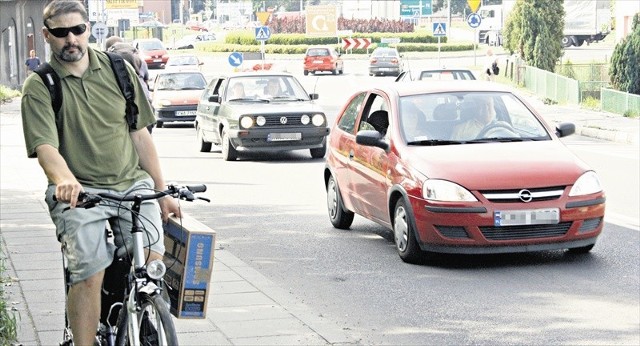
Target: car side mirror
<point>314,96</point>
<point>201,63</point>
<point>565,129</point>
<point>372,138</point>
<point>214,98</point>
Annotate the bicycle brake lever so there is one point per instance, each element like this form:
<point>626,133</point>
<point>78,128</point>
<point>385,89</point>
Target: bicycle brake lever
<point>204,199</point>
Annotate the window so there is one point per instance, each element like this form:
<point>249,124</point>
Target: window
<point>348,120</point>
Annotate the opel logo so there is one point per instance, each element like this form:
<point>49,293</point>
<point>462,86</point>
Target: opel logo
<point>525,195</point>
<point>283,120</point>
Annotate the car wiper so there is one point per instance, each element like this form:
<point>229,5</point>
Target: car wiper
<point>288,98</point>
<point>435,142</point>
<point>250,99</point>
<point>191,88</point>
<point>497,139</point>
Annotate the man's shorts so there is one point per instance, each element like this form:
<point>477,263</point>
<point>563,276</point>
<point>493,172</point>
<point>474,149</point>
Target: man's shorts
<point>82,231</point>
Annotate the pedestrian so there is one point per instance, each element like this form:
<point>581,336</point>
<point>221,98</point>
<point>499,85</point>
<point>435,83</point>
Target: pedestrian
<point>92,147</point>
<point>490,66</point>
<point>32,62</point>
<point>143,71</point>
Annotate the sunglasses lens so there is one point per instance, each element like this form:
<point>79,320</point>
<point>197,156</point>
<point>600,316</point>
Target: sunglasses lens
<point>63,32</point>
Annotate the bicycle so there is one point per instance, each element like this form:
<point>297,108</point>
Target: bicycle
<point>145,318</point>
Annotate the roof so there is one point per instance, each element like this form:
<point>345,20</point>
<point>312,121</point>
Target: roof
<point>422,87</point>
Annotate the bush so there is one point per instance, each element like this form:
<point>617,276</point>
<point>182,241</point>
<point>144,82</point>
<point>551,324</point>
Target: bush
<point>625,70</point>
<point>8,324</point>
<point>7,93</point>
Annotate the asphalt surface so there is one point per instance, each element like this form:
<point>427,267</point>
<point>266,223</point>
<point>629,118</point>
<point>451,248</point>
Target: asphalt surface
<point>244,307</point>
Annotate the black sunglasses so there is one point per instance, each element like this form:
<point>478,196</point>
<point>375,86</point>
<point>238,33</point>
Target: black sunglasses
<point>63,32</point>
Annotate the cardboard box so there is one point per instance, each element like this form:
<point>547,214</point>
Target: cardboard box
<point>189,246</point>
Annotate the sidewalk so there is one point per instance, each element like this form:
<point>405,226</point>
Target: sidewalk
<point>244,306</point>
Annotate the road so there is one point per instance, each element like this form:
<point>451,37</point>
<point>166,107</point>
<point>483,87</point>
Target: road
<point>270,211</point>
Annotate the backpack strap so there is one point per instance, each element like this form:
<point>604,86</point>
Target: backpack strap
<point>52,82</point>
<point>126,87</point>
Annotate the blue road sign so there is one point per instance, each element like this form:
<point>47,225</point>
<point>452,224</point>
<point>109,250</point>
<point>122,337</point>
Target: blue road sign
<point>235,59</point>
<point>263,33</point>
<point>474,20</point>
<point>439,29</point>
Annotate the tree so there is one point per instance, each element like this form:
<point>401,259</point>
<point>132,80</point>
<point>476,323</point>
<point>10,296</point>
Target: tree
<point>534,31</point>
<point>625,61</point>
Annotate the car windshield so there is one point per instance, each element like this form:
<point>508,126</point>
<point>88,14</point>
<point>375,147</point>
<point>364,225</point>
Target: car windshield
<point>467,117</point>
<point>265,88</point>
<point>318,52</point>
<point>385,53</point>
<point>151,45</point>
<point>180,81</point>
<point>447,75</point>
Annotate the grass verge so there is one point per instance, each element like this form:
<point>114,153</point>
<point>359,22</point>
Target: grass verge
<point>8,322</point>
<point>7,94</point>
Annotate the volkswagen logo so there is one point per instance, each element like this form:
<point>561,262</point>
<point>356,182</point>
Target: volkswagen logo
<point>283,120</point>
<point>525,195</point>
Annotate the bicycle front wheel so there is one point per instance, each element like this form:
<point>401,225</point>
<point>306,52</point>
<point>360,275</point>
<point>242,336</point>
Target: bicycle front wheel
<point>155,325</point>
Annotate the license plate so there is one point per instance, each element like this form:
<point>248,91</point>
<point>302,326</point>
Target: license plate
<point>157,60</point>
<point>274,137</point>
<point>317,61</point>
<point>179,113</point>
<point>526,217</point>
<point>384,69</point>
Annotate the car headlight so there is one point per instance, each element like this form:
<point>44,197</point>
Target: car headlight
<point>446,191</point>
<point>588,183</point>
<point>318,119</point>
<point>161,103</point>
<point>246,122</point>
<point>304,119</point>
<point>260,120</point>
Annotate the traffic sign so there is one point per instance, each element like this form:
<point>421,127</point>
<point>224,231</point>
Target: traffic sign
<point>322,21</point>
<point>99,31</point>
<point>263,33</point>
<point>474,20</point>
<point>474,4</point>
<point>439,29</point>
<point>235,59</point>
<point>415,8</point>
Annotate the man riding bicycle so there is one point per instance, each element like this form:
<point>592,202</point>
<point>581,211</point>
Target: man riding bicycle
<point>90,146</point>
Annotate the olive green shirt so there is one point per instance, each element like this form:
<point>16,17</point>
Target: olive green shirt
<point>94,135</point>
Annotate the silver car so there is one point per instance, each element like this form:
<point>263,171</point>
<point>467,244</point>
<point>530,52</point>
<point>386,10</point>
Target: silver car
<point>385,61</point>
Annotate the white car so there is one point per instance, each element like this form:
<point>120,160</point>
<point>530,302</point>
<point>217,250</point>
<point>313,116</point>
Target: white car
<point>190,41</point>
<point>183,63</point>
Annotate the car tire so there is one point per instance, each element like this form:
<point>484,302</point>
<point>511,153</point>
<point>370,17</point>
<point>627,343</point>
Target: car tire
<point>335,70</point>
<point>205,147</point>
<point>581,250</point>
<point>306,73</point>
<point>339,216</point>
<point>318,153</point>
<point>229,153</point>
<point>404,234</point>
<point>159,124</point>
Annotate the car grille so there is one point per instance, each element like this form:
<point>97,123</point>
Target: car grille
<point>589,225</point>
<point>453,232</point>
<point>510,196</point>
<point>279,121</point>
<point>525,232</point>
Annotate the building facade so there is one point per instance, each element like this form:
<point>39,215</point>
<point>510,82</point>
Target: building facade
<point>21,25</point>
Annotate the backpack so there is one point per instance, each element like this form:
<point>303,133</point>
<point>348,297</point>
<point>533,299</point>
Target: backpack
<point>495,69</point>
<point>52,82</point>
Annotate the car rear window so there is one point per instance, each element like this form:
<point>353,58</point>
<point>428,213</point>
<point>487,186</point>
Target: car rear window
<point>318,52</point>
<point>385,52</point>
<point>151,45</point>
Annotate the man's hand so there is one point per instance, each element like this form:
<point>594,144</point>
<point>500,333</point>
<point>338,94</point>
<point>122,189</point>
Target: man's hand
<point>67,191</point>
<point>168,206</point>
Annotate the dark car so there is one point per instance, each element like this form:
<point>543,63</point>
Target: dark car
<point>152,51</point>
<point>385,61</point>
<point>460,167</point>
<point>256,111</point>
<point>175,96</point>
<point>436,74</point>
<point>322,59</point>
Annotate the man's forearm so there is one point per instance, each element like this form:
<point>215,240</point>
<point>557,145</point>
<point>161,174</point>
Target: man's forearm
<point>148,156</point>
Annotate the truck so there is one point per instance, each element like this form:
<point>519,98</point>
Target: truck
<point>584,21</point>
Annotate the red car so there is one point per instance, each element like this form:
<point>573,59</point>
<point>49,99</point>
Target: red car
<point>323,59</point>
<point>153,52</point>
<point>460,167</point>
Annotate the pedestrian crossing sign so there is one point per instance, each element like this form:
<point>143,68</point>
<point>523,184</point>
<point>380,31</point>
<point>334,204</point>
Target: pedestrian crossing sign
<point>439,29</point>
<point>263,33</point>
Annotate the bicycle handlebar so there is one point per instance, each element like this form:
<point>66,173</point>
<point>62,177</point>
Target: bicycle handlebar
<point>186,192</point>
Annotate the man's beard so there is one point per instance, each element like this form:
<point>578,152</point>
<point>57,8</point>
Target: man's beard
<point>71,57</point>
